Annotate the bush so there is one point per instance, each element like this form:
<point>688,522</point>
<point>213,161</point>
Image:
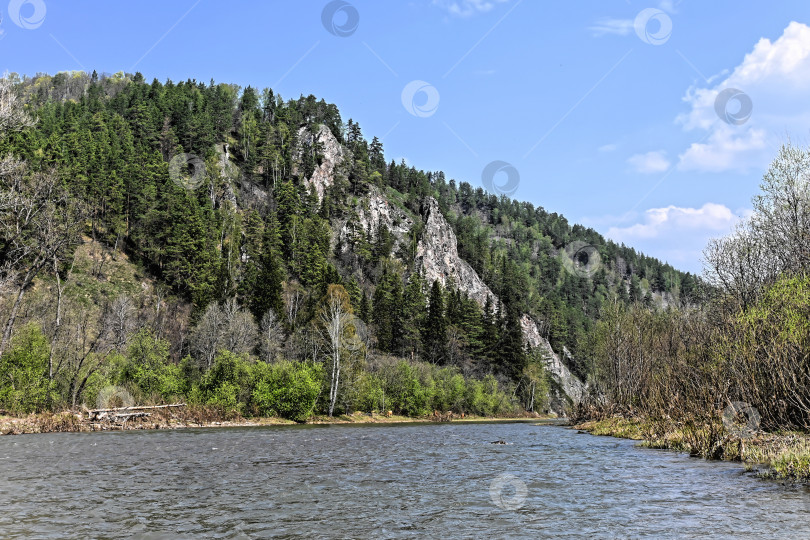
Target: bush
<point>411,392</point>
<point>24,384</point>
<point>450,391</point>
<point>288,389</point>
<point>226,386</point>
<point>147,369</point>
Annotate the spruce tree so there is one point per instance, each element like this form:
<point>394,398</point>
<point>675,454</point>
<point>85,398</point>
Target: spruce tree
<point>270,276</point>
<point>434,333</point>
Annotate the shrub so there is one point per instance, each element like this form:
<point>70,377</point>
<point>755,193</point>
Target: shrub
<point>226,386</point>
<point>288,389</point>
<point>24,384</point>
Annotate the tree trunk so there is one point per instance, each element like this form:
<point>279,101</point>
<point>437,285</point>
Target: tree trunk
<point>14,309</point>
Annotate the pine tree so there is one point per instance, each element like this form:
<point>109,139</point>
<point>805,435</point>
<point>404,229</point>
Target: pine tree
<point>270,277</point>
<point>511,349</point>
<point>434,332</point>
<point>413,314</point>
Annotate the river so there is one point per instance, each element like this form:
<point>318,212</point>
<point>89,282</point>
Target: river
<point>393,481</point>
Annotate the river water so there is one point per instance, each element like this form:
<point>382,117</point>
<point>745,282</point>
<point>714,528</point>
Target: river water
<point>423,480</point>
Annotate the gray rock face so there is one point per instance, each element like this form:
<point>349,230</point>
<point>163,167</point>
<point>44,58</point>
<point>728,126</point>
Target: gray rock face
<point>436,252</point>
<point>437,257</point>
<point>373,211</point>
<point>570,384</point>
<point>333,154</point>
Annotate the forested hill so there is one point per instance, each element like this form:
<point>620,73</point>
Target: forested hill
<point>236,202</point>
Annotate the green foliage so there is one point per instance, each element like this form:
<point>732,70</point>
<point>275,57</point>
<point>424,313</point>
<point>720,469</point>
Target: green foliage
<point>112,139</point>
<point>288,389</point>
<point>24,384</point>
<point>146,370</point>
<point>227,385</point>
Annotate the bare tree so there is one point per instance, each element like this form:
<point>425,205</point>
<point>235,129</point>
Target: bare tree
<point>739,264</point>
<point>206,336</point>
<point>228,327</point>
<point>781,218</point>
<point>272,336</point>
<point>12,115</point>
<point>240,332</point>
<point>775,240</point>
<point>339,331</point>
<point>39,224</point>
<point>294,298</point>
<point>119,319</point>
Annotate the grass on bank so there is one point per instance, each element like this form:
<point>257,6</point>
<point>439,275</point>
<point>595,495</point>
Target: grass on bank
<point>781,456</point>
<point>199,416</point>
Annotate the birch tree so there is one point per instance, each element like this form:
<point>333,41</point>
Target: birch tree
<point>343,335</point>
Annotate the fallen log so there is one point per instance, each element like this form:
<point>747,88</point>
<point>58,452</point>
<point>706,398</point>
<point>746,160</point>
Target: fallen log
<point>126,412</point>
<point>124,416</point>
<point>137,408</point>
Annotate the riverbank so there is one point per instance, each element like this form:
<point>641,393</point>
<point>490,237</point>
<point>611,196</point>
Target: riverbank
<point>781,456</point>
<point>195,417</point>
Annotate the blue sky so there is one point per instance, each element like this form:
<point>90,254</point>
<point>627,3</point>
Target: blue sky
<point>606,110</point>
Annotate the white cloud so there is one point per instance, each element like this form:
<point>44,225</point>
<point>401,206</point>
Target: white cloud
<point>466,8</point>
<point>608,26</point>
<point>676,222</point>
<point>610,147</point>
<point>651,162</point>
<point>776,77</point>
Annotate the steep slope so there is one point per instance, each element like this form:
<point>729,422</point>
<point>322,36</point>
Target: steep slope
<point>436,256</point>
<point>297,202</point>
<point>332,155</point>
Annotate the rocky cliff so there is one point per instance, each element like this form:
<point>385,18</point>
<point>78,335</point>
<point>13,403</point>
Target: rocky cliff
<point>331,152</point>
<point>437,257</point>
<point>436,254</point>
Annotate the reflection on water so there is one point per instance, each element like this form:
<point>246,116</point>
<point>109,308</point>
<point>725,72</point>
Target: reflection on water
<point>379,481</point>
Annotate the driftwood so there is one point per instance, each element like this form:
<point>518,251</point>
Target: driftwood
<point>122,414</point>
